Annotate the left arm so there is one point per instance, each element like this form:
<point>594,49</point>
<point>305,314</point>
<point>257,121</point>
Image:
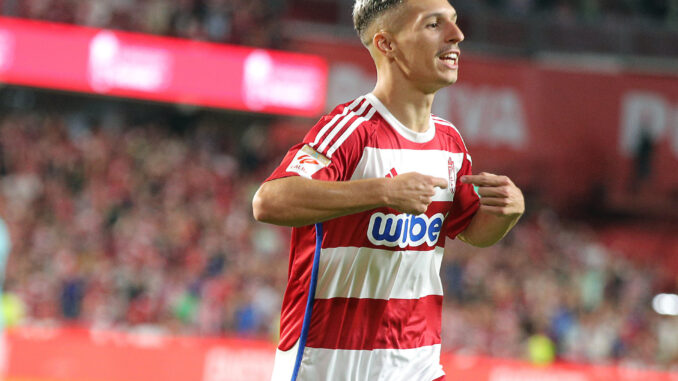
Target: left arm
<point>501,206</point>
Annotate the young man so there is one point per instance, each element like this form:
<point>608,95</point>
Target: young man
<point>373,191</point>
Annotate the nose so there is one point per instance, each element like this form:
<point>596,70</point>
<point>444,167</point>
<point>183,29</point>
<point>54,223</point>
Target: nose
<point>455,34</point>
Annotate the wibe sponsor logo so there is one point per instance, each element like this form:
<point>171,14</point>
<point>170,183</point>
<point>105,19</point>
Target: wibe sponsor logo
<point>404,230</point>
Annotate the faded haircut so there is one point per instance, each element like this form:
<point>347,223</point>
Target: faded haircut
<point>366,11</point>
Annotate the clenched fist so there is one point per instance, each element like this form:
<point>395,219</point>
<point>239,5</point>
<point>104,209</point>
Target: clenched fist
<point>498,194</point>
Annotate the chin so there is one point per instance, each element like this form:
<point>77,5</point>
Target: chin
<point>450,80</point>
<point>454,76</point>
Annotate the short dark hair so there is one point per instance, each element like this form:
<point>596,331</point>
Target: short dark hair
<point>366,11</point>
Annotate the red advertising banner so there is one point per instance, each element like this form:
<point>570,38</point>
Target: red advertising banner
<point>54,354</point>
<point>162,69</point>
<point>578,135</point>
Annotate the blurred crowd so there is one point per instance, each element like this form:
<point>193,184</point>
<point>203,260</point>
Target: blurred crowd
<point>124,225</point>
<point>247,22</point>
<point>259,22</point>
<point>136,226</point>
<point>552,290</point>
<point>666,10</point>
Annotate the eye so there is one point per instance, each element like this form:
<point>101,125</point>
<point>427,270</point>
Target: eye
<point>433,25</point>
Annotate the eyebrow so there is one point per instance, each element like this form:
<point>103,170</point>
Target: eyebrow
<point>439,14</point>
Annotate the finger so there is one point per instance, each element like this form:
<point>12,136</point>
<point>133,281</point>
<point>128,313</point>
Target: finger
<point>501,192</point>
<point>485,180</point>
<point>439,182</point>
<point>494,201</point>
<point>495,210</point>
<point>418,209</point>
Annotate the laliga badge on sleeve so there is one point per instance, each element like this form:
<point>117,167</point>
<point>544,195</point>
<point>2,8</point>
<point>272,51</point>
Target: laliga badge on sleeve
<point>308,161</point>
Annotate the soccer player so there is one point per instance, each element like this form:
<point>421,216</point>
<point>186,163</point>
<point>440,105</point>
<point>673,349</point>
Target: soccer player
<point>372,192</point>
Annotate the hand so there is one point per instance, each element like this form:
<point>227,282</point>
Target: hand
<point>499,195</point>
<point>412,192</point>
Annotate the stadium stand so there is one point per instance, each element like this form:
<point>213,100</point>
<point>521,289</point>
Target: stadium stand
<point>120,223</point>
<point>124,223</point>
<point>253,23</point>
<point>629,27</point>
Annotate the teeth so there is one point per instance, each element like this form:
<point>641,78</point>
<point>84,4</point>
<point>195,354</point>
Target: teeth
<point>450,56</point>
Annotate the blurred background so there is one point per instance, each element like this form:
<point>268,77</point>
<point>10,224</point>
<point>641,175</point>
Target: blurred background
<point>133,134</point>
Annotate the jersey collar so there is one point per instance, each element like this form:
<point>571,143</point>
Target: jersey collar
<point>417,137</point>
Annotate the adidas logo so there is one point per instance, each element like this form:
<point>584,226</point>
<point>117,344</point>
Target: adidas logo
<point>392,173</point>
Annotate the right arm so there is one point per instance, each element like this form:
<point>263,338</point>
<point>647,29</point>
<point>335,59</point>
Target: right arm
<point>298,201</point>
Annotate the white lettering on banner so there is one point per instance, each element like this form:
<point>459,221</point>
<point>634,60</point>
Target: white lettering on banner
<point>6,50</point>
<point>143,339</point>
<point>269,83</point>
<point>647,113</point>
<point>223,364</point>
<point>113,64</point>
<point>525,374</point>
<point>488,115</point>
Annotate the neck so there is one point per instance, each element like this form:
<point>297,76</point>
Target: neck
<point>411,106</point>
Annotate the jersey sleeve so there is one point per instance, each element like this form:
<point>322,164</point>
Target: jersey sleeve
<point>313,160</point>
<point>466,202</point>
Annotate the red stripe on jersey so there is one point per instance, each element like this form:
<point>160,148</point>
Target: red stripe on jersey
<point>338,120</point>
<point>440,379</point>
<point>342,126</point>
<point>336,132</point>
<point>331,120</point>
<point>296,293</point>
<point>366,324</point>
<point>337,235</point>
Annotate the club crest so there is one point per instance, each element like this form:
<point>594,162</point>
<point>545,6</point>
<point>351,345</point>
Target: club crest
<point>452,175</point>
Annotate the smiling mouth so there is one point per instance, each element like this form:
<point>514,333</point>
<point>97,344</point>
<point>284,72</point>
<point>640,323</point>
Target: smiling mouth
<point>450,59</point>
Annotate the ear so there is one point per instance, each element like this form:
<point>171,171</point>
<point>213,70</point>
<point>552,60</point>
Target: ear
<point>384,43</point>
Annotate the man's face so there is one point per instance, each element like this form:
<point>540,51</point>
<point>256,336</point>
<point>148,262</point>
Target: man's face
<point>427,43</point>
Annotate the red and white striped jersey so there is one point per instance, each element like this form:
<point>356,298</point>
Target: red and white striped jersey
<point>364,295</point>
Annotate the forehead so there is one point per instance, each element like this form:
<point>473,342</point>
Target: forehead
<point>415,10</point>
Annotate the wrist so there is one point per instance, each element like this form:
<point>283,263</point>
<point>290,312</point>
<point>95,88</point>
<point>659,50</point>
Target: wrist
<point>382,192</point>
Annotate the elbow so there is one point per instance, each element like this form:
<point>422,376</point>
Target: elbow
<point>271,205</point>
<point>267,207</point>
<point>261,208</point>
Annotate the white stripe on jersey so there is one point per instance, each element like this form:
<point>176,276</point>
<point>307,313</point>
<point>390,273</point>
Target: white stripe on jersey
<point>377,162</point>
<point>335,119</point>
<point>446,123</point>
<point>283,367</point>
<point>359,272</point>
<point>350,130</point>
<point>362,108</point>
<point>420,364</point>
<point>341,125</point>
